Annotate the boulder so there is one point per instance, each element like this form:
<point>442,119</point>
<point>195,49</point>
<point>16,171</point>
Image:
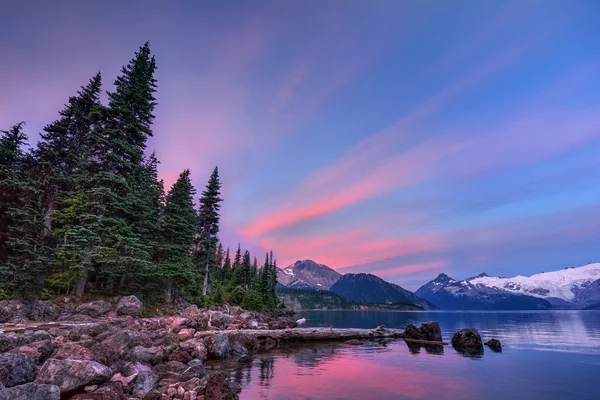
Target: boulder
<point>217,345</point>
<point>196,348</point>
<point>186,334</point>
<point>70,375</point>
<point>39,351</point>
<point>146,382</point>
<point>43,311</point>
<point>153,395</point>
<point>196,318</point>
<point>151,355</point>
<point>72,351</point>
<point>248,341</point>
<point>494,345</point>
<point>181,356</point>
<point>13,311</point>
<point>16,369</point>
<point>107,391</point>
<point>118,346</point>
<point>220,320</point>
<point>218,388</point>
<point>93,309</point>
<point>468,341</point>
<point>429,331</point>
<point>31,391</point>
<point>10,341</point>
<point>130,305</point>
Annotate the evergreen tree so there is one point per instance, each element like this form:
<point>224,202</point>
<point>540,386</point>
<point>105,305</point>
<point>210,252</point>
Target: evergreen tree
<point>226,272</point>
<point>23,266</point>
<point>246,269</point>
<point>177,227</point>
<point>237,275</point>
<point>208,226</point>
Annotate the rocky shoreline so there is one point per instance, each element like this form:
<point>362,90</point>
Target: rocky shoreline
<point>105,350</point>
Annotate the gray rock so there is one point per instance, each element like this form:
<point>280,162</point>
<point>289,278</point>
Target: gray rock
<point>145,382</point>
<point>43,311</point>
<point>107,391</point>
<point>151,355</point>
<point>31,391</point>
<point>70,375</point>
<point>220,320</point>
<point>217,346</point>
<point>196,348</point>
<point>219,388</point>
<point>16,369</point>
<point>468,341</point>
<point>39,351</point>
<point>93,309</point>
<point>494,345</point>
<point>130,305</point>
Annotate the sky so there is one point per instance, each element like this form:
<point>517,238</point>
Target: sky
<point>400,138</point>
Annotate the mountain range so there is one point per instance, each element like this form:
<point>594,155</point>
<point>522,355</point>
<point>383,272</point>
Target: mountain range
<point>355,288</point>
<point>570,288</point>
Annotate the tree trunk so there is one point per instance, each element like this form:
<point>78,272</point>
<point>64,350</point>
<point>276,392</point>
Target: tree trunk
<point>168,287</point>
<point>80,285</point>
<point>205,288</point>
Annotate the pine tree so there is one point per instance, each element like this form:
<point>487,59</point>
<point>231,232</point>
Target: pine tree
<point>23,267</point>
<point>208,226</point>
<point>246,269</point>
<point>237,275</point>
<point>112,202</point>
<point>177,227</point>
<point>11,159</point>
<point>226,272</point>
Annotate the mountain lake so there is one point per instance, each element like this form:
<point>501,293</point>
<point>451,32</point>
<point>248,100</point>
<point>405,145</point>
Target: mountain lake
<point>546,355</point>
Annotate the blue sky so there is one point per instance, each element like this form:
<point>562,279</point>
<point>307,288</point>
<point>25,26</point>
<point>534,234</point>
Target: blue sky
<point>404,138</point>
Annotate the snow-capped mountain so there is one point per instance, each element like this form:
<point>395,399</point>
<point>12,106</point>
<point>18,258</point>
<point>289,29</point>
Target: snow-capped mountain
<point>307,274</point>
<point>579,287</point>
<point>568,288</point>
<point>450,294</point>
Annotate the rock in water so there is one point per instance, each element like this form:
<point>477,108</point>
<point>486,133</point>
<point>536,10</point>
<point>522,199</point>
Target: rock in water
<point>217,346</point>
<point>494,345</point>
<point>468,341</point>
<point>71,375</point>
<point>130,305</point>
<point>218,388</point>
<point>429,331</point>
<point>16,369</point>
<point>31,391</point>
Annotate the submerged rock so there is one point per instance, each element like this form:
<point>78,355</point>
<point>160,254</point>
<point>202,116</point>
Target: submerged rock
<point>218,388</point>
<point>31,391</point>
<point>429,331</point>
<point>494,345</point>
<point>468,341</point>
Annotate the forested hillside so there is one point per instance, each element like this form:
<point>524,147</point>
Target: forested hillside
<point>84,211</point>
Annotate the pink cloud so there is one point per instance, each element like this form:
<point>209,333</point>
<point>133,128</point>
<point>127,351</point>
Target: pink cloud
<point>410,269</point>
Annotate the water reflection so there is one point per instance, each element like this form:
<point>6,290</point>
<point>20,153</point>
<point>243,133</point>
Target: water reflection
<point>386,370</point>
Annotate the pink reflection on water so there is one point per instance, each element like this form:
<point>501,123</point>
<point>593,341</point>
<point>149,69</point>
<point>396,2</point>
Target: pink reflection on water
<point>359,373</point>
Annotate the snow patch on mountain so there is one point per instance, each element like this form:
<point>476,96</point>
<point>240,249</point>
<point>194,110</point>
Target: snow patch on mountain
<point>562,284</point>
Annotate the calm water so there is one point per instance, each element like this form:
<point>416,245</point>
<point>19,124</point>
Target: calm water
<point>546,355</point>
